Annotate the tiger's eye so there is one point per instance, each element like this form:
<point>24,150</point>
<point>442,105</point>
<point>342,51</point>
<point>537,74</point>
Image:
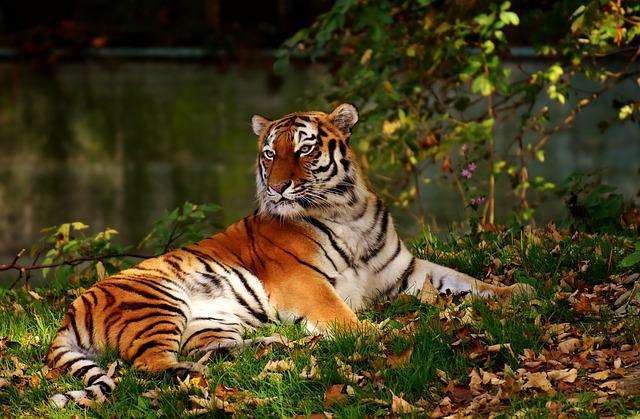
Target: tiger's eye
<point>269,154</point>
<point>305,149</point>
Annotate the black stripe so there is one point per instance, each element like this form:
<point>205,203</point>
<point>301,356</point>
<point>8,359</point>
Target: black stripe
<point>214,277</point>
<point>93,297</point>
<point>104,387</point>
<point>214,319</point>
<point>141,306</point>
<point>176,267</point>
<point>162,289</point>
<point>143,293</point>
<point>68,363</point>
<point>80,372</point>
<point>144,330</point>
<point>150,344</point>
<point>245,283</point>
<point>88,318</point>
<point>91,380</point>
<point>252,241</point>
<point>331,280</point>
<point>60,354</point>
<point>205,256</point>
<point>404,278</point>
<point>381,238</point>
<point>135,320</point>
<point>342,148</point>
<point>332,161</point>
<point>326,255</point>
<point>200,332</point>
<point>330,235</point>
<point>379,207</point>
<point>72,317</point>
<point>391,259</point>
<point>262,317</point>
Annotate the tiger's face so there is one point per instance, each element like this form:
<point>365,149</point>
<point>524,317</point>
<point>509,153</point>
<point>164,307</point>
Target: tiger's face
<point>305,165</point>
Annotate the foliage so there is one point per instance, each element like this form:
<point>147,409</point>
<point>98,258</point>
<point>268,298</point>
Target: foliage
<point>593,205</point>
<point>434,80</point>
<point>570,350</point>
<point>70,252</point>
<point>182,225</point>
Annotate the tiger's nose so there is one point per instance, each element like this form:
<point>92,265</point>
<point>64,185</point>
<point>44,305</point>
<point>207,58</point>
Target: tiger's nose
<point>280,187</point>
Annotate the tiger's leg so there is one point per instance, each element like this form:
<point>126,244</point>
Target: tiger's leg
<point>312,298</point>
<point>429,278</point>
<point>154,347</point>
<point>210,334</point>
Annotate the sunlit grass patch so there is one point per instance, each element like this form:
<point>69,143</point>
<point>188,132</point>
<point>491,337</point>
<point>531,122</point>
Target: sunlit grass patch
<point>426,357</point>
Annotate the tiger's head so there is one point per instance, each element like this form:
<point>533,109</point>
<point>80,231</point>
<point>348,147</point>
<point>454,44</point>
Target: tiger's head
<point>305,165</point>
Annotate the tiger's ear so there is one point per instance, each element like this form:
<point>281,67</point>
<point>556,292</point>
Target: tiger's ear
<point>259,123</point>
<point>344,117</point>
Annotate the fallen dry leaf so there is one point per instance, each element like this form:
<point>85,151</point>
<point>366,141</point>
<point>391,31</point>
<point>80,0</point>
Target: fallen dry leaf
<point>310,373</point>
<point>334,395</point>
<point>600,375</point>
<point>566,375</point>
<point>569,346</point>
<point>213,403</point>
<point>400,405</point>
<point>610,385</point>
<point>475,383</point>
<point>395,361</point>
<point>538,380</point>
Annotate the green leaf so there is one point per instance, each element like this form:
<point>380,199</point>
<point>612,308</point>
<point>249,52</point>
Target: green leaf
<point>509,18</point>
<point>482,85</point>
<point>77,225</point>
<point>632,259</point>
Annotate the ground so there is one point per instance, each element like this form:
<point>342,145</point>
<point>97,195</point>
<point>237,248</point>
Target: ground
<point>572,350</point>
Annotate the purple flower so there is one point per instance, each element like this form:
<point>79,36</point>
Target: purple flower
<point>472,166</point>
<point>466,174</point>
<point>477,201</point>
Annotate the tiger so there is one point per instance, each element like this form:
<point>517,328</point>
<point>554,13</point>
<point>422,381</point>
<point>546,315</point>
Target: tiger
<point>320,247</point>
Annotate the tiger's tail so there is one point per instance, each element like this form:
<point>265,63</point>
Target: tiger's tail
<point>67,354</point>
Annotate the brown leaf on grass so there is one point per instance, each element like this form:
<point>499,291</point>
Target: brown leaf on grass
<point>223,392</point>
<point>609,385</point>
<point>600,375</point>
<point>334,395</point>
<point>475,383</point>
<point>499,347</point>
<point>460,394</point>
<point>346,371</point>
<point>310,373</point>
<point>538,380</point>
<point>280,365</point>
<point>400,405</point>
<point>566,375</point>
<point>214,403</point>
<point>395,361</point>
<point>569,346</point>
<point>262,351</point>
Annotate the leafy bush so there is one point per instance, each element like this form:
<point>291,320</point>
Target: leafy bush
<point>70,254</point>
<point>432,83</point>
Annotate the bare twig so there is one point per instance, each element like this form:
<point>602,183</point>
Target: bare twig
<point>25,269</point>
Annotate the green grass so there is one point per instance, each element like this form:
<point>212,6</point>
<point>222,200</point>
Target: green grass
<point>446,342</point>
